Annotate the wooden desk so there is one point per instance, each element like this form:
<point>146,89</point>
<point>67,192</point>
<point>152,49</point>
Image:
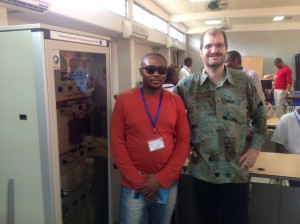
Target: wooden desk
<point>272,203</point>
<point>277,165</point>
<point>272,122</point>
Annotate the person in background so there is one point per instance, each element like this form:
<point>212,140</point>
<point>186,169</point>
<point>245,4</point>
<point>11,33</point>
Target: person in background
<point>171,79</point>
<point>234,60</point>
<point>217,101</point>
<point>150,139</point>
<point>286,136</point>
<point>282,86</point>
<point>185,71</point>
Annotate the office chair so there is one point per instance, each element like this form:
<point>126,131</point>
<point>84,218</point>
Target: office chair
<point>295,102</point>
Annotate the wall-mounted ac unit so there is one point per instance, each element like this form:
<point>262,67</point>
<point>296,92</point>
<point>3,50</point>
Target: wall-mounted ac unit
<point>31,6</point>
<point>171,43</point>
<point>134,31</point>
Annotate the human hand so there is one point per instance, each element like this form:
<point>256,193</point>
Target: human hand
<point>249,158</point>
<point>192,153</point>
<point>150,187</point>
<point>193,156</point>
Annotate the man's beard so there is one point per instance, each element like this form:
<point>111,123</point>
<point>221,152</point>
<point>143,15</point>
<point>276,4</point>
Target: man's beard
<point>215,64</point>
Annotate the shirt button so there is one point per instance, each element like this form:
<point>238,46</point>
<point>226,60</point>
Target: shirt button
<point>223,100</point>
<point>217,174</point>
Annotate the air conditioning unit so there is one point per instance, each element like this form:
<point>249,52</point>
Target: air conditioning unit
<point>134,31</point>
<point>225,24</point>
<point>171,43</point>
<point>31,6</point>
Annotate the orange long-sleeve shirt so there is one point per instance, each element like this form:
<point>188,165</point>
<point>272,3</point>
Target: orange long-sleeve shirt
<point>131,129</point>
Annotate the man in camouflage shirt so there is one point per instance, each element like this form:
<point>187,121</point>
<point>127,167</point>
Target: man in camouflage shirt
<point>218,101</point>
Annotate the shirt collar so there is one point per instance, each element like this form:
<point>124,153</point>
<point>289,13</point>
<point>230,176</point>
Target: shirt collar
<point>228,77</point>
<point>187,68</point>
<point>168,85</point>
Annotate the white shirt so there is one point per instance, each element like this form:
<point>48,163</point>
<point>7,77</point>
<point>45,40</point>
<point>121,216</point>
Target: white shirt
<point>287,132</point>
<point>168,86</point>
<point>254,76</point>
<point>184,72</point>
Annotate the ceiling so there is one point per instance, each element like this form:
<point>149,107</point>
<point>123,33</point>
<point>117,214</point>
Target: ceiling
<point>239,16</point>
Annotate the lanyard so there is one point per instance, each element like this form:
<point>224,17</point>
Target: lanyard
<point>153,123</point>
<point>297,116</point>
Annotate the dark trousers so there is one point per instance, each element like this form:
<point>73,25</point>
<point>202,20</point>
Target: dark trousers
<point>185,210</point>
<point>221,203</point>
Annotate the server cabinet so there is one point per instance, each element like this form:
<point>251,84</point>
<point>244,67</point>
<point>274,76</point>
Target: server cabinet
<point>55,101</point>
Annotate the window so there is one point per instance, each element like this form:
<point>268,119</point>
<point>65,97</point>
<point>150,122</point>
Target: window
<point>174,33</point>
<point>119,7</point>
<point>142,16</point>
<point>181,37</point>
<point>160,24</point>
<point>148,19</point>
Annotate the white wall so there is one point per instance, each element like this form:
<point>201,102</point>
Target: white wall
<point>3,16</point>
<point>270,44</point>
<point>140,50</point>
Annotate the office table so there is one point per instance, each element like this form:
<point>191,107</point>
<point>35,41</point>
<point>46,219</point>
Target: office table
<point>272,122</point>
<point>273,203</point>
<point>277,165</point>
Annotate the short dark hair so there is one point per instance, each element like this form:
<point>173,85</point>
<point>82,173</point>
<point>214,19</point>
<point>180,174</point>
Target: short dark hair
<point>188,59</point>
<point>213,32</point>
<point>277,60</point>
<point>234,55</point>
<point>152,54</point>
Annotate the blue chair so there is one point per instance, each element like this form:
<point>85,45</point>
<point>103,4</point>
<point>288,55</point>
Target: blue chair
<point>295,102</point>
<point>273,102</point>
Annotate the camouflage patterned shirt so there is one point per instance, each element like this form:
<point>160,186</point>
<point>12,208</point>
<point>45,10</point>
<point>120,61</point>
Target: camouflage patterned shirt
<point>218,121</point>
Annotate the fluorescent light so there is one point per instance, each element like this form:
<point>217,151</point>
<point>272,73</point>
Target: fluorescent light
<point>278,18</point>
<point>213,22</point>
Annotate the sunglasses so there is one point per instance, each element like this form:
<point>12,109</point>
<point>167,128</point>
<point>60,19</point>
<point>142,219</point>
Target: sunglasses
<point>151,69</point>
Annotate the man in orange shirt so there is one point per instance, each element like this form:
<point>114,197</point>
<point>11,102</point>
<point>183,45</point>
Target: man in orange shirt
<point>150,139</point>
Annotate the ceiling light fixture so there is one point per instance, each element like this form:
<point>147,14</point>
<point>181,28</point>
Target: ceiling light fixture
<point>213,22</point>
<point>278,18</point>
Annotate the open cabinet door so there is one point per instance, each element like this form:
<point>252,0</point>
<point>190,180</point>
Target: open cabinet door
<point>78,87</point>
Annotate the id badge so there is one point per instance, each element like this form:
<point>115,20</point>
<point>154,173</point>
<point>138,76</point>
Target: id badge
<point>155,144</point>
